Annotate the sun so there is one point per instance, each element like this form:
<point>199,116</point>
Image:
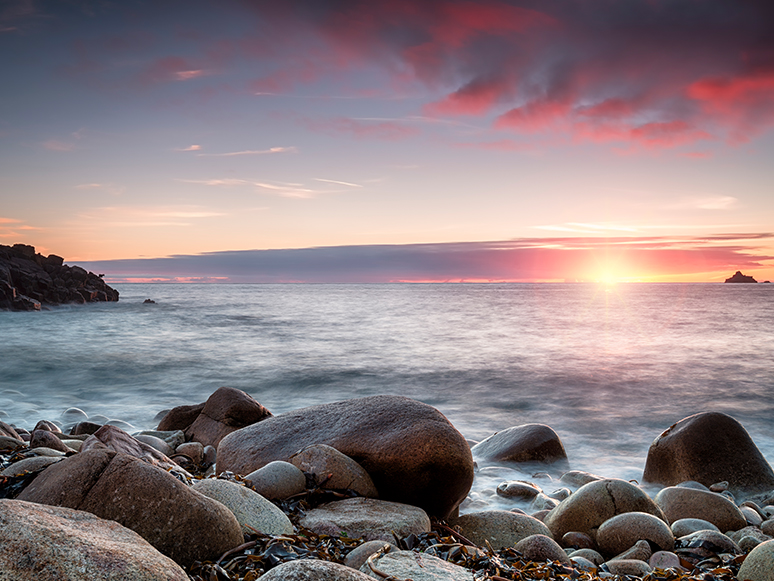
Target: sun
<point>607,279</point>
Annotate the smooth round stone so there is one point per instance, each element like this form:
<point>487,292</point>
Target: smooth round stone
<point>751,531</point>
<point>621,532</point>
<point>695,485</point>
<point>680,503</point>
<point>277,480</point>
<point>500,528</point>
<point>48,426</point>
<point>43,451</point>
<point>664,560</point>
<point>711,541</point>
<point>29,465</point>
<point>748,543</point>
<point>252,511</point>
<point>74,415</point>
<point>414,566</point>
<point>719,486</point>
<point>579,478</point>
<point>560,494</point>
<point>333,470</point>
<point>194,450</point>
<point>583,564</point>
<point>641,551</point>
<point>125,426</point>
<point>759,564</point>
<point>628,567</point>
<point>588,554</point>
<point>686,526</point>
<point>541,514</point>
<point>541,548</point>
<point>543,502</point>
<point>518,489</point>
<point>577,540</point>
<point>313,570</point>
<point>210,455</point>
<point>155,443</point>
<point>357,557</point>
<point>751,516</point>
<point>767,527</point>
<point>84,428</point>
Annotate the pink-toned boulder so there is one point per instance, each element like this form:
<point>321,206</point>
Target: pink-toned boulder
<point>681,503</point>
<point>225,411</point>
<point>333,470</point>
<point>8,431</point>
<point>47,439</point>
<point>708,447</point>
<point>39,542</point>
<point>409,449</point>
<point>115,439</point>
<point>175,519</point>
<point>527,443</point>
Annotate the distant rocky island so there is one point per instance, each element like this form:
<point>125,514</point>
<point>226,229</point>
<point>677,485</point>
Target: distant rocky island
<point>739,277</point>
<point>29,281</point>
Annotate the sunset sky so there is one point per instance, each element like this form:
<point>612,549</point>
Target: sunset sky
<point>310,140</point>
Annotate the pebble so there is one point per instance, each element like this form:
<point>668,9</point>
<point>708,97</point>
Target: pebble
<point>751,516</point>
<point>768,527</point>
<point>588,554</point>
<point>357,557</point>
<point>518,489</point>
<point>277,480</point>
<point>414,566</point>
<point>156,443</point>
<point>641,551</point>
<point>29,465</point>
<point>194,450</point>
<point>664,560</point>
<point>719,486</point>
<point>577,540</point>
<point>542,502</point>
<point>686,526</point>
<point>628,567</point>
<point>579,477</point>
<point>541,548</point>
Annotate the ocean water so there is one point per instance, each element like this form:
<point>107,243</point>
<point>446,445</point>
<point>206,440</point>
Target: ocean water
<point>607,367</point>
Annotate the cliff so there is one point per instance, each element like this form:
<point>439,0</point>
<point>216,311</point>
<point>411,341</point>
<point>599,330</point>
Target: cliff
<point>29,280</point>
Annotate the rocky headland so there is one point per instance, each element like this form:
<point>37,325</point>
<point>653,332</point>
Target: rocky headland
<point>739,277</point>
<point>29,281</point>
<point>376,487</point>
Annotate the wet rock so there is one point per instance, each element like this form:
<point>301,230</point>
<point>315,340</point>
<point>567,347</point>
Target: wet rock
<point>628,567</point>
<point>359,556</point>
<point>527,443</point>
<point>594,503</point>
<point>708,447</point>
<point>709,542</point>
<point>277,480</point>
<point>518,489</point>
<point>719,486</point>
<point>640,551</point>
<point>29,465</point>
<point>560,494</point>
<point>8,431</point>
<point>251,510</point>
<point>313,570</point>
<point>543,502</point>
<point>409,449</point>
<point>619,533</point>
<point>46,439</point>
<point>84,428</point>
<point>767,527</point>
<point>8,444</point>
<point>179,522</point>
<point>500,528</point>
<point>583,564</point>
<point>193,450</point>
<point>173,438</point>
<point>759,564</point>
<point>751,531</point>
<point>588,554</point>
<point>579,477</point>
<point>73,444</point>
<point>751,516</point>
<point>156,443</point>
<point>333,470</point>
<point>113,438</point>
<point>692,484</point>
<point>47,426</point>
<point>415,566</point>
<point>541,548</point>
<point>41,542</point>
<point>664,560</point>
<point>367,518</point>
<point>224,412</point>
<point>686,526</point>
<point>678,503</point>
<point>576,540</point>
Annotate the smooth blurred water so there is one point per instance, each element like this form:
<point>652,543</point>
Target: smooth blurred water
<point>608,367</point>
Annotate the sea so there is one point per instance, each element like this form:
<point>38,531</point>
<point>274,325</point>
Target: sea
<point>608,367</point>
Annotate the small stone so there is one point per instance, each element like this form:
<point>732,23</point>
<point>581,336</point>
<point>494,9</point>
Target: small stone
<point>628,567</point>
<point>686,526</point>
<point>194,450</point>
<point>47,426</point>
<point>751,531</point>
<point>590,555</point>
<point>579,478</point>
<point>583,564</point>
<point>277,480</point>
<point>333,470</point>
<point>751,516</point>
<point>641,551</point>
<point>711,541</point>
<point>678,503</point>
<point>46,439</point>
<point>719,486</point>
<point>156,443</point>
<point>357,557</point>
<point>518,489</point>
<point>748,543</point>
<point>543,502</point>
<point>767,527</point>
<point>560,494</point>
<point>664,560</point>
<point>576,540</point>
<point>757,565</point>
<point>8,444</point>
<point>415,566</point>
<point>541,548</point>
<point>252,511</point>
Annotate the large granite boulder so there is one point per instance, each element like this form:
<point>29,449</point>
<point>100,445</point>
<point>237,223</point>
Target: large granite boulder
<point>410,450</point>
<point>175,519</point>
<point>759,564</point>
<point>225,411</point>
<point>28,280</point>
<point>42,542</point>
<point>527,443</point>
<point>499,528</point>
<point>414,566</point>
<point>708,447</point>
<point>313,570</point>
<point>117,440</point>
<point>679,503</point>
<point>594,503</point>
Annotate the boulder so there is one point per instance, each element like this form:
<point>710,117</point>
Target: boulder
<point>708,447</point>
<point>664,560</point>
<point>640,551</point>
<point>8,431</point>
<point>518,489</point>
<point>358,556</point>
<point>29,465</point>
<point>527,443</point>
<point>500,528</point>
<point>759,564</point>
<point>686,526</point>
<point>178,521</point>
<point>277,480</point>
<point>541,548</point>
<point>9,444</point>
<point>46,439</point>
<point>739,277</point>
<point>333,470</point>
<point>619,533</point>
<point>409,449</point>
<point>366,518</point>
<point>251,510</point>
<point>313,570</point>
<point>679,503</point>
<point>594,503</point>
<point>225,411</point>
<point>42,542</point>
<point>632,567</point>
<point>414,566</point>
<point>113,438</point>
<point>710,542</point>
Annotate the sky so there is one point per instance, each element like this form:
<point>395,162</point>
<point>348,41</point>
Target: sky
<point>390,140</point>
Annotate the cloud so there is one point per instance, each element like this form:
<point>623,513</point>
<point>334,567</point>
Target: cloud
<point>190,148</point>
<point>526,259</point>
<point>271,150</point>
<point>146,216</point>
<point>285,190</point>
<point>350,184</point>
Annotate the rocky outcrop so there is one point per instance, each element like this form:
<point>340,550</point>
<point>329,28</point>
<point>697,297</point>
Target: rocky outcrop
<point>225,411</point>
<point>29,280</point>
<point>410,450</point>
<point>739,277</point>
<point>708,447</point>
